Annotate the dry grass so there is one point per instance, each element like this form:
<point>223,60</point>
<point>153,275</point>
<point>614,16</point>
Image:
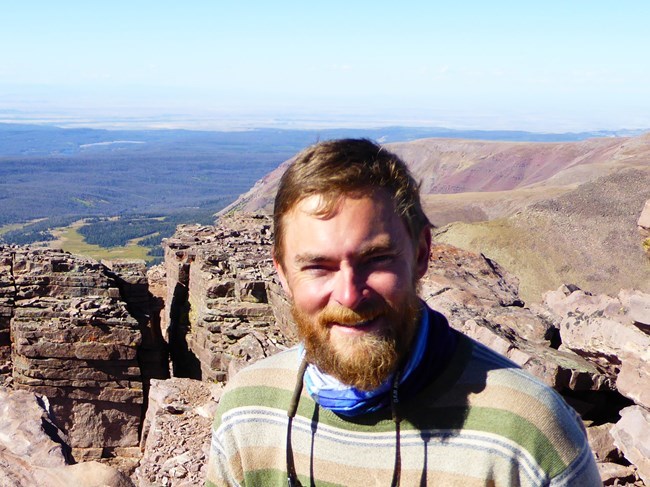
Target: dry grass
<point>70,240</point>
<point>476,206</point>
<point>17,226</point>
<point>528,250</point>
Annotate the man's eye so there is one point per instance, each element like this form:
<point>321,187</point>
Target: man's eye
<point>316,268</point>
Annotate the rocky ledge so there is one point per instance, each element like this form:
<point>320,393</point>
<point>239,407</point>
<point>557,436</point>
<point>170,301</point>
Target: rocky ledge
<point>77,332</point>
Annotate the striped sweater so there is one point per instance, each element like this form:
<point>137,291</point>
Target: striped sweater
<point>483,421</point>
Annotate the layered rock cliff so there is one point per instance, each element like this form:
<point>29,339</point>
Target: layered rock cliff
<point>78,332</point>
<point>224,306</point>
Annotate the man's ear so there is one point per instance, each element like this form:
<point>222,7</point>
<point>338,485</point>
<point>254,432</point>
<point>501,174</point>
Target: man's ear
<point>422,252</point>
<point>282,276</point>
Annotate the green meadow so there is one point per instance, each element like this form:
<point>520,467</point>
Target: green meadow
<point>70,240</point>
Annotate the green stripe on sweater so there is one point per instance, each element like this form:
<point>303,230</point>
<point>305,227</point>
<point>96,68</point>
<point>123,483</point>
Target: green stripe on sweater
<point>278,477</point>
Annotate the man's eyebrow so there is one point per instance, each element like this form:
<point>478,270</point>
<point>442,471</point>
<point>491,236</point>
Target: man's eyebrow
<point>308,258</point>
<point>378,248</point>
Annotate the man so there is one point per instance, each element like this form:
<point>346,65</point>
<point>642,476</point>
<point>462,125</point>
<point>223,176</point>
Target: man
<point>392,395</point>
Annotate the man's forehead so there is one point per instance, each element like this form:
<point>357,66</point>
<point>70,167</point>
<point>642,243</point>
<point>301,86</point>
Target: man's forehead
<point>312,204</point>
<point>381,234</point>
<point>326,205</point>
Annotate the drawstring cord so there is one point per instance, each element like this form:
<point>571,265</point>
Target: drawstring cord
<point>394,402</point>
<point>292,478</point>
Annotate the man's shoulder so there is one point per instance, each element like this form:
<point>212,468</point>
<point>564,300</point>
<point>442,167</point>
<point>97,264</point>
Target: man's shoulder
<point>264,385</point>
<point>476,362</point>
<point>504,384</point>
<point>496,369</point>
<point>278,370</point>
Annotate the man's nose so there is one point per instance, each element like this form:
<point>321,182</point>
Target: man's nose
<point>349,287</point>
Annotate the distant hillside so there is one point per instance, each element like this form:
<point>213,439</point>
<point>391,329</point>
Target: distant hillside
<point>549,212</point>
<point>53,172</point>
<point>450,166</point>
<point>587,237</point>
<point>156,179</point>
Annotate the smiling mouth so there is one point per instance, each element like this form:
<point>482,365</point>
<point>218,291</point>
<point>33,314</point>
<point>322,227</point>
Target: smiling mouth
<point>358,326</point>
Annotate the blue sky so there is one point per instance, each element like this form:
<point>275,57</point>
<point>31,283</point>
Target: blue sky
<point>545,66</point>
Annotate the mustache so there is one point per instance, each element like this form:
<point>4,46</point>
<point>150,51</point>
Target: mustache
<point>335,313</point>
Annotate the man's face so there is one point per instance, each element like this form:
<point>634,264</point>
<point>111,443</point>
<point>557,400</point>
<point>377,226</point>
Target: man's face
<point>352,278</point>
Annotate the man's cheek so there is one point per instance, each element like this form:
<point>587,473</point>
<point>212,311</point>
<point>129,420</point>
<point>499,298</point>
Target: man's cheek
<point>307,301</point>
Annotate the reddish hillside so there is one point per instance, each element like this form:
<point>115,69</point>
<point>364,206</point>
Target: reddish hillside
<point>450,166</point>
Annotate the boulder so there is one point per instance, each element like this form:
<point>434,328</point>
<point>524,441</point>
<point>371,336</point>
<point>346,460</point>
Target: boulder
<point>633,380</point>
<point>33,449</point>
<point>602,443</point>
<point>632,436</point>
<point>638,307</point>
<point>87,474</point>
<point>480,298</point>
<point>616,474</point>
<point>604,330</point>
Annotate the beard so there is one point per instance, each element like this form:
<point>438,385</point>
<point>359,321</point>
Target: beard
<point>363,361</point>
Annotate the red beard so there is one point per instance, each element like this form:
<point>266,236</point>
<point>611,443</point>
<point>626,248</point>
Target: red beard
<point>365,361</point>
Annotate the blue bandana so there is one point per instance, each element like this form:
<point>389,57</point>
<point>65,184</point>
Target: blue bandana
<point>431,350</point>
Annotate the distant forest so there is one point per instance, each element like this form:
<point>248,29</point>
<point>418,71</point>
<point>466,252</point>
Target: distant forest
<point>148,229</point>
<point>154,180</point>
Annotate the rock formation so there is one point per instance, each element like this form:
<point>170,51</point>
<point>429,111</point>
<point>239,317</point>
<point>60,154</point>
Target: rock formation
<point>220,290</point>
<point>478,296</point>
<point>614,333</point>
<point>77,330</point>
<point>632,436</point>
<point>7,295</point>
